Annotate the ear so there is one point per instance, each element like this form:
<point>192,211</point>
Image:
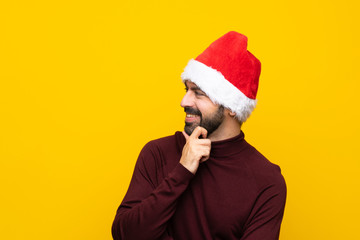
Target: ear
<point>232,114</point>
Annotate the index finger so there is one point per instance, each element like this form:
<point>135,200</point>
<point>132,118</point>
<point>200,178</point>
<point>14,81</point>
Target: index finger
<point>199,131</point>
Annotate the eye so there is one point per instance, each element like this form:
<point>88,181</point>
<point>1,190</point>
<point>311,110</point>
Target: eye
<point>199,93</point>
<point>186,89</point>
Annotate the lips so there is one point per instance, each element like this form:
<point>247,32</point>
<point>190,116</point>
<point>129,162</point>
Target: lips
<point>192,114</point>
<point>192,118</point>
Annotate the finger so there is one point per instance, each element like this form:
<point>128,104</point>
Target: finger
<point>204,133</point>
<point>199,131</point>
<point>205,154</point>
<point>185,135</point>
<point>204,142</point>
<point>204,158</point>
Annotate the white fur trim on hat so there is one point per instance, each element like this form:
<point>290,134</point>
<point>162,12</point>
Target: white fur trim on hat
<point>218,89</point>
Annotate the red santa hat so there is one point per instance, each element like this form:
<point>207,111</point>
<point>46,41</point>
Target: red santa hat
<point>228,73</point>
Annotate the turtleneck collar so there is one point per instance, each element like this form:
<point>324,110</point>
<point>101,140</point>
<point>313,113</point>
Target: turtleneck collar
<point>220,149</point>
<point>227,147</point>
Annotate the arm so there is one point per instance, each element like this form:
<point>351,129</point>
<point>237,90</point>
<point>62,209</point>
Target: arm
<point>148,206</point>
<point>265,218</point>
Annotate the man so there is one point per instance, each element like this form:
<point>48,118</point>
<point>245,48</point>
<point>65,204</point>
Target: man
<point>207,182</point>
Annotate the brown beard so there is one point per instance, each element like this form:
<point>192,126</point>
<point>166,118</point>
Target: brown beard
<point>210,124</point>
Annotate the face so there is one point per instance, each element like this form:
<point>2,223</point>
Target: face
<point>200,110</point>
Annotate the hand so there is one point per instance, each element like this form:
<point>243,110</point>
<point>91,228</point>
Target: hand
<point>195,150</point>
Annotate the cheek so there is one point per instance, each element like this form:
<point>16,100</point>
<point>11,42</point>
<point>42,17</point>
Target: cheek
<point>206,107</point>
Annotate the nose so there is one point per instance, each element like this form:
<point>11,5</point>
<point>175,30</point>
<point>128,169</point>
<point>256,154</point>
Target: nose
<point>187,100</point>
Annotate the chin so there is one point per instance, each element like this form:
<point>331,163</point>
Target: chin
<point>190,127</point>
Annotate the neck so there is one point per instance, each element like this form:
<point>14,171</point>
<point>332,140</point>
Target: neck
<point>228,128</point>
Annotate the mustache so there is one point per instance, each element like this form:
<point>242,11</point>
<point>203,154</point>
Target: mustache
<point>191,110</point>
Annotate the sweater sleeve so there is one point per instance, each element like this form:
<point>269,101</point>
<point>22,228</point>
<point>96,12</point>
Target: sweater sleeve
<point>148,206</point>
<point>265,219</point>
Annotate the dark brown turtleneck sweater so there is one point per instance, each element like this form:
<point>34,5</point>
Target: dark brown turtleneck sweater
<point>236,194</point>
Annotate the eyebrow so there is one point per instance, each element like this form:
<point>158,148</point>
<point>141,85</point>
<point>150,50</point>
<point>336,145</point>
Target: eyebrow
<point>193,88</point>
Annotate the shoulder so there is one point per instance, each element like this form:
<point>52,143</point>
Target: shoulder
<point>165,151</point>
<point>166,143</point>
<point>264,172</point>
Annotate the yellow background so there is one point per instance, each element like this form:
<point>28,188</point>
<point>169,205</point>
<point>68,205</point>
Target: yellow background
<point>85,84</point>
